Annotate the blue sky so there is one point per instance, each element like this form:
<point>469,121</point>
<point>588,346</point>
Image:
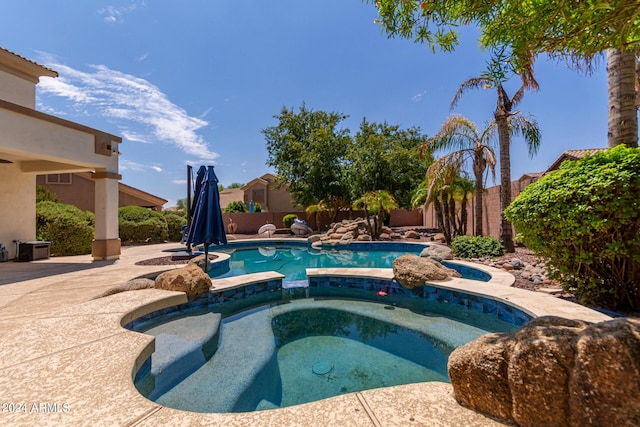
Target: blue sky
<point>195,81</point>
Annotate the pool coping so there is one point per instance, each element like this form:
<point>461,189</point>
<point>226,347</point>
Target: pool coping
<point>71,362</point>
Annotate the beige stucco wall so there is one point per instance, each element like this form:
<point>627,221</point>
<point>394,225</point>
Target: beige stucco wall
<point>280,200</point>
<point>18,196</point>
<point>17,90</point>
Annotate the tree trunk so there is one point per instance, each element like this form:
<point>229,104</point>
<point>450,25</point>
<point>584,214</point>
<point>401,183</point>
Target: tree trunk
<point>506,233</point>
<point>623,113</point>
<point>439,217</point>
<point>463,215</point>
<point>477,171</point>
<point>447,217</point>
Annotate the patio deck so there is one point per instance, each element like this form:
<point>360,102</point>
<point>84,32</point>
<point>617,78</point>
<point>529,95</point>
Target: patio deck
<point>66,360</point>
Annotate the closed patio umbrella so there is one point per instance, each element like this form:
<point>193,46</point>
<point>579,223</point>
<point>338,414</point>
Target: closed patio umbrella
<point>207,226</point>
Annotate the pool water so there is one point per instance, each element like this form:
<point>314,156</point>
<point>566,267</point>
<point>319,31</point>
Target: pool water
<point>291,352</point>
<point>292,261</point>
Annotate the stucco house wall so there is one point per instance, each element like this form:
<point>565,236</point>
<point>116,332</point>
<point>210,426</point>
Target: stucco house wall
<point>33,143</point>
<point>80,192</point>
<point>264,190</point>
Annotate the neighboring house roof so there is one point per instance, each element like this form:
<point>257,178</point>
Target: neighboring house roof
<point>264,179</point>
<point>23,67</point>
<point>528,175</point>
<point>231,195</point>
<point>153,200</point>
<point>573,155</point>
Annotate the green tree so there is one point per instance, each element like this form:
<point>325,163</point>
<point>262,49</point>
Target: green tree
<point>235,185</point>
<point>508,124</point>
<point>376,204</point>
<point>386,157</point>
<point>578,30</point>
<point>308,149</point>
<point>470,144</point>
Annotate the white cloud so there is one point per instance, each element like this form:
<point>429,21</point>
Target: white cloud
<point>179,181</point>
<point>418,97</point>
<point>132,103</point>
<point>114,15</point>
<point>132,166</point>
<point>143,57</point>
<point>156,168</point>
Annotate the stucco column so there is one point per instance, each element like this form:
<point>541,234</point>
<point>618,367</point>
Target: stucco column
<point>106,244</point>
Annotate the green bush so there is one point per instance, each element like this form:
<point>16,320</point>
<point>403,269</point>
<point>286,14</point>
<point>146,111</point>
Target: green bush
<point>45,194</point>
<point>235,207</point>
<point>476,247</point>
<point>138,224</point>
<point>69,229</point>
<point>287,220</point>
<point>257,207</point>
<point>174,225</point>
<point>584,219</point>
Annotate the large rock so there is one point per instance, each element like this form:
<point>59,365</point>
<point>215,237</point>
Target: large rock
<point>553,372</point>
<point>189,279</point>
<point>412,271</point>
<point>411,234</point>
<point>437,251</point>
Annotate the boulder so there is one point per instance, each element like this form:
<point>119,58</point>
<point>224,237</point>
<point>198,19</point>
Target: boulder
<point>364,238</point>
<point>439,237</point>
<point>189,279</point>
<point>437,251</point>
<point>553,372</point>
<point>349,235</point>
<point>131,285</point>
<point>313,238</point>
<point>411,234</point>
<point>411,271</point>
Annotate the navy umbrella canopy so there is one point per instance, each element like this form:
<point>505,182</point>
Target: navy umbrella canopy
<point>207,226</point>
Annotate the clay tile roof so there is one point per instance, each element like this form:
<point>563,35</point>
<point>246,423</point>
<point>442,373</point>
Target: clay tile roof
<point>573,155</point>
<point>48,71</point>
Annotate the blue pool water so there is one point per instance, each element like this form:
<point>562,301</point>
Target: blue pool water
<point>295,351</point>
<point>293,260</point>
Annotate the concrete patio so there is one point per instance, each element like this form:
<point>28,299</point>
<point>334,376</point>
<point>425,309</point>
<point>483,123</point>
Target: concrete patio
<point>66,360</point>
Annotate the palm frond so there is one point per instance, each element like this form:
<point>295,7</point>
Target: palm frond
<point>472,83</point>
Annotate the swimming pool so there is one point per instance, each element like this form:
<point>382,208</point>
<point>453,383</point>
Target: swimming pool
<point>285,352</point>
<point>292,260</point>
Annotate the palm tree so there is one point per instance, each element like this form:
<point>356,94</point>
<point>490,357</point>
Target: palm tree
<point>461,134</point>
<point>440,177</point>
<point>622,80</point>
<point>377,204</point>
<point>316,211</point>
<point>509,123</point>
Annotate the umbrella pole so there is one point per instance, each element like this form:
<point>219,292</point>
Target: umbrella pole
<point>206,258</point>
<point>189,173</point>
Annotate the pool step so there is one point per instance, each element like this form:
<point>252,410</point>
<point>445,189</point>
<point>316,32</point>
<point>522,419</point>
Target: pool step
<point>182,345</point>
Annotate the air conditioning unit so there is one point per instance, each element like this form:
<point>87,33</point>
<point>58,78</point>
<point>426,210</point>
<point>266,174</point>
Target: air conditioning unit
<point>31,251</point>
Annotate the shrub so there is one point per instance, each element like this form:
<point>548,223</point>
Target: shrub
<point>584,219</point>
<point>69,229</point>
<point>235,207</point>
<point>476,247</point>
<point>174,225</point>
<point>45,194</point>
<point>287,220</point>
<point>138,224</point>
<point>257,207</point>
